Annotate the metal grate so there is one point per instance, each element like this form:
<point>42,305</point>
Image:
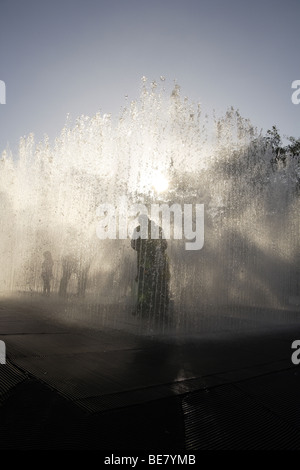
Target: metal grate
<point>225,417</point>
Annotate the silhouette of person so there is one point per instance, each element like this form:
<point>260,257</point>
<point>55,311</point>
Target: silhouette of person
<point>152,270</point>
<point>82,277</point>
<point>71,265</point>
<point>47,275</point>
<point>68,267</point>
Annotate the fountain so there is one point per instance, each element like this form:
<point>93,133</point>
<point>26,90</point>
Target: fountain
<point>161,149</point>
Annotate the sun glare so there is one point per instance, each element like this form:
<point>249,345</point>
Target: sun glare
<point>160,183</point>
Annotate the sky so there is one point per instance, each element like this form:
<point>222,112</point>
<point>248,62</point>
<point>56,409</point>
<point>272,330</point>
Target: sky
<point>77,57</point>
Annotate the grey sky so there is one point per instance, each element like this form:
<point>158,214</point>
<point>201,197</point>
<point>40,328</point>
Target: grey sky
<point>82,56</point>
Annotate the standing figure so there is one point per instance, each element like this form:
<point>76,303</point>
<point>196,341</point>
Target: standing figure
<point>82,278</point>
<point>153,274</point>
<point>47,275</point>
<point>69,265</point>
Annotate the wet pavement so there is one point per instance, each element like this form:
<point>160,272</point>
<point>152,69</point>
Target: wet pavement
<point>75,385</point>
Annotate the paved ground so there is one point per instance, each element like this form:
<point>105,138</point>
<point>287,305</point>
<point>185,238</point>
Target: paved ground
<point>224,382</point>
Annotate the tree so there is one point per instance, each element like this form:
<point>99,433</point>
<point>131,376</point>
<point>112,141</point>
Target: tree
<point>294,147</point>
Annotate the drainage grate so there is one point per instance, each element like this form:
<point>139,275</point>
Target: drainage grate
<point>225,417</point>
<point>9,378</point>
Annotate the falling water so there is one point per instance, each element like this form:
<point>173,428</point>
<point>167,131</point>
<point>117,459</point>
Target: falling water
<point>160,149</point>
